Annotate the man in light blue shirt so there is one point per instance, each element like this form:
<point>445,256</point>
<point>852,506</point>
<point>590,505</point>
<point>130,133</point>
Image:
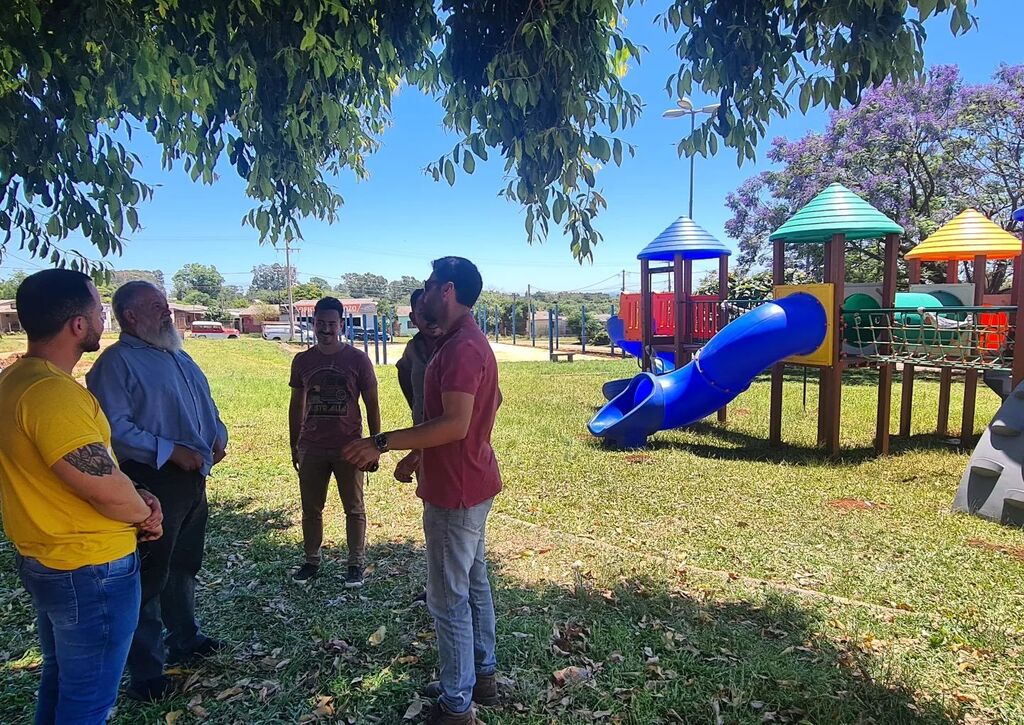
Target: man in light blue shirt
<point>167,434</point>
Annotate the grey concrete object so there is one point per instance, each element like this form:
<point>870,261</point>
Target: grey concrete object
<point>992,487</point>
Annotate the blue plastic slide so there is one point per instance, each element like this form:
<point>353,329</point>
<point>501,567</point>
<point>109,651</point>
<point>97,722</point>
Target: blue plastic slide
<point>721,370</point>
<point>663,362</point>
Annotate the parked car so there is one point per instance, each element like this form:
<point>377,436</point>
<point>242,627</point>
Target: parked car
<point>371,335</point>
<point>279,331</point>
<point>213,330</point>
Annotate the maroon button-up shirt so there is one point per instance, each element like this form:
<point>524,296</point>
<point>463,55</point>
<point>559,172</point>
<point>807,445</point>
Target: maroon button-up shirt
<point>463,473</point>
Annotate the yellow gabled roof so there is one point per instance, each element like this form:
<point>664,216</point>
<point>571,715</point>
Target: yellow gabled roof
<point>964,237</point>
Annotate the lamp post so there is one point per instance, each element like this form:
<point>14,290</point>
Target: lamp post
<point>686,108</point>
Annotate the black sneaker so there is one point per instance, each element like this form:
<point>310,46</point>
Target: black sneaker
<point>155,690</point>
<point>306,572</point>
<point>354,578</point>
<point>207,646</point>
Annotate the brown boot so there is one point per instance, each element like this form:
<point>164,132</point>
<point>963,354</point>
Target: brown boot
<point>485,691</point>
<point>439,716</point>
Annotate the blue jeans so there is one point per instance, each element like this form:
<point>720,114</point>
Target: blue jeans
<point>85,619</point>
<point>459,599</point>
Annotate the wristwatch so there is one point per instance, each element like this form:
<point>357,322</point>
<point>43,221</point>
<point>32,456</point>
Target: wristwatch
<point>381,441</point>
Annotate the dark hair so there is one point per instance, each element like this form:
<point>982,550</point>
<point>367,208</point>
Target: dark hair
<point>124,297</point>
<point>463,274</point>
<point>326,304</point>
<point>416,294</point>
<point>47,300</point>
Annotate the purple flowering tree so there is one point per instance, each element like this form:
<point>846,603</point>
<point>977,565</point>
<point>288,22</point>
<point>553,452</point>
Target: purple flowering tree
<point>920,153</point>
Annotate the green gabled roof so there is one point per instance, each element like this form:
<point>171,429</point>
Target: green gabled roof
<point>836,210</point>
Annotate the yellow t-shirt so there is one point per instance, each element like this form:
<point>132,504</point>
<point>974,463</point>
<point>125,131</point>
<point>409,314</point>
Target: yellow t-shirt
<point>44,415</point>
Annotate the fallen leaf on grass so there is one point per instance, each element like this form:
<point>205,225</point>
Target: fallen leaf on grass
<point>229,692</point>
<point>195,707</point>
<point>414,709</point>
<point>377,637</point>
<point>172,717</point>
<point>408,660</point>
<point>570,675</point>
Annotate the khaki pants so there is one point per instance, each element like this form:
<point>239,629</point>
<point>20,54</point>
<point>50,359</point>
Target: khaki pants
<point>315,471</point>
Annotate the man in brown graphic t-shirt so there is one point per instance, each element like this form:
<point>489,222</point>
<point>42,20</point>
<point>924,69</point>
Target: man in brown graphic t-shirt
<point>327,381</point>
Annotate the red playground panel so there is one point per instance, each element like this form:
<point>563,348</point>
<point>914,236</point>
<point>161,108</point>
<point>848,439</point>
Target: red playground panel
<point>993,328</point>
<point>703,315</point>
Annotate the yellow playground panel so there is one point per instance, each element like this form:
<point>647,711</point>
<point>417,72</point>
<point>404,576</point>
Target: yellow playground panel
<point>825,294</point>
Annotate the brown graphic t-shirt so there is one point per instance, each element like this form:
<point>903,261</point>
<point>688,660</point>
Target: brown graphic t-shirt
<point>333,384</point>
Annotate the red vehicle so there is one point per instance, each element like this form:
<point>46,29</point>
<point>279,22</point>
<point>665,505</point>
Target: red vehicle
<point>213,330</point>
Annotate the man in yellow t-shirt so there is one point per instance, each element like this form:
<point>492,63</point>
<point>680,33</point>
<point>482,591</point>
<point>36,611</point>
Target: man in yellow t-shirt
<point>73,516</point>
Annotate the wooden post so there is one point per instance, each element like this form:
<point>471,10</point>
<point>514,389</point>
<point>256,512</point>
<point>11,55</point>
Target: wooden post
<point>645,313</point>
<point>1017,374</point>
<point>907,390</point>
<point>906,400</point>
<point>835,373</point>
<point>778,370</point>
<point>679,270</point>
<point>885,370</point>
<point>688,304</point>
<point>824,380</point>
<point>946,374</point>
<point>723,314</point>
<point>971,377</point>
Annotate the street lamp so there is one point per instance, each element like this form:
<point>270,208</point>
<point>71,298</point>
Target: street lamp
<point>686,108</point>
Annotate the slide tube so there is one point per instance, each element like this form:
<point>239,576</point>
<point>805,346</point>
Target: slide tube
<point>721,370</point>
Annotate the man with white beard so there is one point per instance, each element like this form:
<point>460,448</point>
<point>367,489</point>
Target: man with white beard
<point>167,434</point>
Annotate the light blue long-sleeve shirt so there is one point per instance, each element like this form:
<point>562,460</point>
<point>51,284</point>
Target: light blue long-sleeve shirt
<point>154,400</point>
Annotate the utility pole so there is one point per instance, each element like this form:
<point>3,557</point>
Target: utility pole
<point>623,280</point>
<point>530,330</point>
<point>288,279</point>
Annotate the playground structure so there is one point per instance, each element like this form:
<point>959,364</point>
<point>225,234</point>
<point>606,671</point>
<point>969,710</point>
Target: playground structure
<point>991,485</point>
<point>954,328</point>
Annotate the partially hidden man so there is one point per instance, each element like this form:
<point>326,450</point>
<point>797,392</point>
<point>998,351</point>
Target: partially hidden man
<point>168,434</point>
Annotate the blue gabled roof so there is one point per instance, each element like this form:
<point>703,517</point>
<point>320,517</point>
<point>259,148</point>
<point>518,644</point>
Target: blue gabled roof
<point>686,238</point>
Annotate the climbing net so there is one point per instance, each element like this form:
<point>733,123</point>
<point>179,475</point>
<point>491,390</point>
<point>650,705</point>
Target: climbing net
<point>978,338</point>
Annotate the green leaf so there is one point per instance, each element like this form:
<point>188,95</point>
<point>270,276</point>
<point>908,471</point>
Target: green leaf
<point>617,152</point>
<point>925,8</point>
<point>449,172</point>
<point>599,148</point>
<point>468,163</point>
<point>520,93</point>
<point>559,209</point>
<point>309,39</point>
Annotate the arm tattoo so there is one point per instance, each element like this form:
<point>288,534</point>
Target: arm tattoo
<point>92,459</point>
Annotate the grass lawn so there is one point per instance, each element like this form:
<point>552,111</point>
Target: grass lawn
<point>707,579</point>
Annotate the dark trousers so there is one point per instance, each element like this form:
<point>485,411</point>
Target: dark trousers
<point>169,568</point>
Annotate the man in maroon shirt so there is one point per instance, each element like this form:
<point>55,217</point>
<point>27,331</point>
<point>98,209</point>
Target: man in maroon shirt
<point>327,381</point>
<point>458,478</point>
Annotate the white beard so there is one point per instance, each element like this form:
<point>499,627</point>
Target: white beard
<point>166,338</point>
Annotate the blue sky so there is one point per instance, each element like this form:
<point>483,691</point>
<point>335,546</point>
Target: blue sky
<point>399,219</point>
